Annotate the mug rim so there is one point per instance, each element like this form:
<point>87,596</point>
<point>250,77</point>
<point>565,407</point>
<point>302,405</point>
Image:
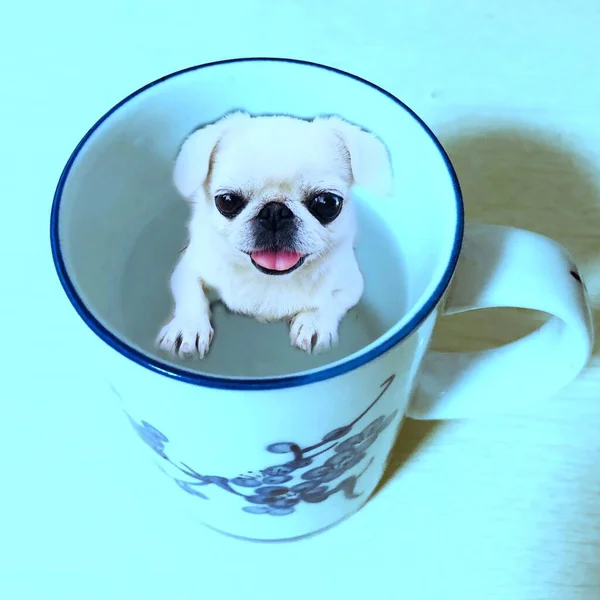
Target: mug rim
<point>252,383</point>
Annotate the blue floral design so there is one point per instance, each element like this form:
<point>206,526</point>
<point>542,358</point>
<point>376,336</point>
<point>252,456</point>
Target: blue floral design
<point>246,481</point>
<point>318,494</point>
<point>278,470</point>
<point>277,479</point>
<point>300,464</point>
<point>190,488</point>
<point>281,447</point>
<point>279,489</point>
<point>154,438</point>
<point>305,486</point>
<point>336,434</point>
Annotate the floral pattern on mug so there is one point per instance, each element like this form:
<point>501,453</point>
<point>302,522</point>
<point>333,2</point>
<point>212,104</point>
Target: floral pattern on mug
<point>311,475</point>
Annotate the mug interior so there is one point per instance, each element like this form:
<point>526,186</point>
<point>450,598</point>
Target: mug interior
<point>118,223</point>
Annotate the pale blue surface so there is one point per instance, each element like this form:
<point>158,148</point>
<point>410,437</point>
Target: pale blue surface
<point>75,521</point>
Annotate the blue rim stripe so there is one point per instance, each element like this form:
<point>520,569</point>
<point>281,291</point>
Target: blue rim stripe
<point>264,383</point>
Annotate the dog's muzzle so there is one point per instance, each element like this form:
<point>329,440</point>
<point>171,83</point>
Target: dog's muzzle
<point>274,232</point>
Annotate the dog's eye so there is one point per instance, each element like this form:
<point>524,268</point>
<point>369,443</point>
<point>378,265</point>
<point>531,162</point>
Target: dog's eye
<point>325,207</point>
<point>229,205</point>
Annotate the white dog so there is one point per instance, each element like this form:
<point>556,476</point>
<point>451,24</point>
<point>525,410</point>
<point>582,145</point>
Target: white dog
<point>273,228</point>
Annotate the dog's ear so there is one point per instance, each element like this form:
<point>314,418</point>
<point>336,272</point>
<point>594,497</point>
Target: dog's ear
<point>193,161</point>
<point>369,158</point>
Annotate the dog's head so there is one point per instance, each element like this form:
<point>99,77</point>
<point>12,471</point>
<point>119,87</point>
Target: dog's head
<point>277,188</point>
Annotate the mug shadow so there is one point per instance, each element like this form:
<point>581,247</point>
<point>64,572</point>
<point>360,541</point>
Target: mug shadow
<point>410,438</point>
<point>521,177</point>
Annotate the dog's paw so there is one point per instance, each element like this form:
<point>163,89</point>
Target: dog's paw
<point>186,338</point>
<point>313,332</point>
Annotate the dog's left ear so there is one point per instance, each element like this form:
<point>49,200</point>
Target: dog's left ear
<point>369,158</point>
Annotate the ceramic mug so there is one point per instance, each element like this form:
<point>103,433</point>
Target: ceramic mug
<point>260,440</point>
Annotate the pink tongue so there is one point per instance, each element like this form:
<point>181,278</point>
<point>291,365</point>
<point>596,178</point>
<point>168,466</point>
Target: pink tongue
<point>276,260</point>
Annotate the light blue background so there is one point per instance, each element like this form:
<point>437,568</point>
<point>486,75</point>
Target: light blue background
<point>75,521</point>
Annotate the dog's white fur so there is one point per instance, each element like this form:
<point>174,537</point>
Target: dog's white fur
<point>270,158</point>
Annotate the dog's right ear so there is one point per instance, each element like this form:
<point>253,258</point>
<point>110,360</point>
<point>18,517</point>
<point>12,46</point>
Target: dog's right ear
<point>369,158</point>
<point>193,161</point>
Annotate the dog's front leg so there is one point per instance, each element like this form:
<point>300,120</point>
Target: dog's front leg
<point>315,331</point>
<point>189,332</point>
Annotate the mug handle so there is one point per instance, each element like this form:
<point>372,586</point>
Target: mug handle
<point>507,267</point>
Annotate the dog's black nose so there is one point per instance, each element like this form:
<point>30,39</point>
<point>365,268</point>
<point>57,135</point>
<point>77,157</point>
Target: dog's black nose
<point>272,215</point>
